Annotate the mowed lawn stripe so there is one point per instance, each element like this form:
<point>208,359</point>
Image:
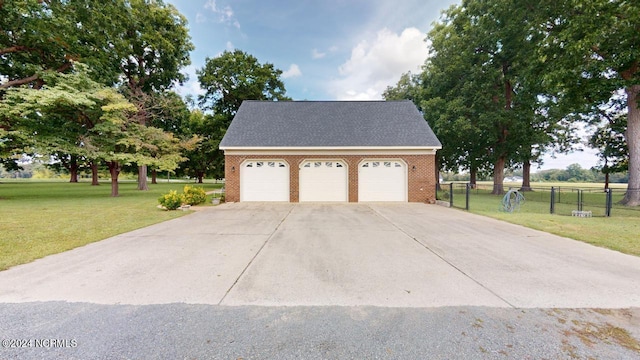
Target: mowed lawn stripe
<point>43,218</point>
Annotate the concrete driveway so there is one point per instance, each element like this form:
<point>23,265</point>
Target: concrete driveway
<point>393,255</point>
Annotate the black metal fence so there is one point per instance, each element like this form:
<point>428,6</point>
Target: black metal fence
<point>559,200</point>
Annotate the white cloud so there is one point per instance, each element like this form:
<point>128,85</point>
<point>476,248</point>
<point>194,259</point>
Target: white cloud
<point>225,14</point>
<point>293,71</point>
<point>200,18</point>
<point>230,46</point>
<point>315,54</point>
<point>376,64</point>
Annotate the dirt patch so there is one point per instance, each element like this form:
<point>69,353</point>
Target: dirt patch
<point>592,327</point>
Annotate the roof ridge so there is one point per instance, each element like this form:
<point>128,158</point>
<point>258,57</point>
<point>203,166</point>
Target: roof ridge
<point>328,123</point>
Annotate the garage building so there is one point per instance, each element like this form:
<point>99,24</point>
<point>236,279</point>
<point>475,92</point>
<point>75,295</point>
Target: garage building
<point>329,151</point>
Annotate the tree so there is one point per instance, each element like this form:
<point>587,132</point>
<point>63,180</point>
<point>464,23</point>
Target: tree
<point>167,111</point>
<point>152,49</point>
<point>205,159</point>
<point>409,87</point>
<point>592,57</point>
<point>95,122</point>
<point>41,36</point>
<point>58,116</point>
<point>119,139</point>
<point>614,153</point>
<point>233,77</point>
<point>142,44</point>
<point>481,58</point>
<point>481,93</point>
<point>228,80</point>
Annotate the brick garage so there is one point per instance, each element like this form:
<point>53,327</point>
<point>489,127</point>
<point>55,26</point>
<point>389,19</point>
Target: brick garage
<point>269,143</point>
<point>421,181</point>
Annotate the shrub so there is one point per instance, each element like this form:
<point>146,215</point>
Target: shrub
<point>171,201</point>
<point>194,195</point>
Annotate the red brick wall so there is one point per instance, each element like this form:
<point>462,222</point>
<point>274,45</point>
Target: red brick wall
<point>420,170</point>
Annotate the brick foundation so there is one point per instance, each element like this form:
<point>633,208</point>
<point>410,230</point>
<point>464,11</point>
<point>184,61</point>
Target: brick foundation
<point>420,170</point>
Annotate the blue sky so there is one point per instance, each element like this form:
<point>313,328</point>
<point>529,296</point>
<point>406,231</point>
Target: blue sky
<point>327,49</point>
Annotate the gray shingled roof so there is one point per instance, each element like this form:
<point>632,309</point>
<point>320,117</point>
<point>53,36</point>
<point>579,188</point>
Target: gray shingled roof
<point>328,124</point>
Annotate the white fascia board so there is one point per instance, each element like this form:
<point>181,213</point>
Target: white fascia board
<point>344,150</point>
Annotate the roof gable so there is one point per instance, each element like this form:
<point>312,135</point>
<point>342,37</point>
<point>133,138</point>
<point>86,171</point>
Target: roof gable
<point>329,124</point>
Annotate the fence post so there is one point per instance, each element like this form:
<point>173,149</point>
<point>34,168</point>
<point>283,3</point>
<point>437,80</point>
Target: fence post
<point>579,200</point>
<point>559,194</point>
<point>609,202</point>
<point>450,194</point>
<point>552,206</point>
<point>467,197</point>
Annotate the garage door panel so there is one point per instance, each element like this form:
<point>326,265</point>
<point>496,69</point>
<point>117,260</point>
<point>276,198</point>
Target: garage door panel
<point>266,180</point>
<point>382,180</point>
<point>325,180</point>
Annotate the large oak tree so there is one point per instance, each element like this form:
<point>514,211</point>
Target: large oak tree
<point>228,80</point>
<point>152,49</point>
<point>592,56</point>
<point>139,45</point>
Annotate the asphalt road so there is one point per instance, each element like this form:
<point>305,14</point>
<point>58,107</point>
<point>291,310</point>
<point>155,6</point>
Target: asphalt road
<point>182,331</point>
<point>388,281</point>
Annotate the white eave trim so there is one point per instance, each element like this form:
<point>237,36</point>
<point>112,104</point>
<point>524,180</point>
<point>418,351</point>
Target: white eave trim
<point>355,150</point>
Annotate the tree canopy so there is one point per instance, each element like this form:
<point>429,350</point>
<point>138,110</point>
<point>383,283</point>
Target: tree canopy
<point>233,77</point>
<point>228,80</point>
<point>508,80</point>
<point>138,46</point>
<point>591,53</point>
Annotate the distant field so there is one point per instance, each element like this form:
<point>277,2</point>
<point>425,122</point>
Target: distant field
<point>545,184</point>
<point>39,218</point>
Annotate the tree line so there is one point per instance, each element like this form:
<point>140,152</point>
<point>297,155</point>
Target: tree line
<point>510,80</point>
<point>87,85</point>
<point>572,173</point>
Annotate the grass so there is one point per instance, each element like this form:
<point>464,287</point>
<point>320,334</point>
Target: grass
<point>618,232</point>
<point>40,218</point>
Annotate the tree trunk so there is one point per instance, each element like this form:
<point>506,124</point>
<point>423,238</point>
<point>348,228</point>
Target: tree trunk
<point>473,177</point>
<point>73,169</point>
<point>526,176</point>
<point>142,178</point>
<point>154,176</point>
<point>606,181</point>
<point>73,175</point>
<point>114,170</point>
<point>498,176</point>
<point>94,174</point>
<point>632,135</point>
<point>200,177</point>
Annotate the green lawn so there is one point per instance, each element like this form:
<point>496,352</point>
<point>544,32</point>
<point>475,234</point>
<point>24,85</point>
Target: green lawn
<point>41,218</point>
<point>619,232</point>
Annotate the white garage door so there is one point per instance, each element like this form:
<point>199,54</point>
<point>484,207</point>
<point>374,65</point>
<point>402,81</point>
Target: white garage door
<point>382,180</point>
<point>325,180</point>
<point>264,180</point>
